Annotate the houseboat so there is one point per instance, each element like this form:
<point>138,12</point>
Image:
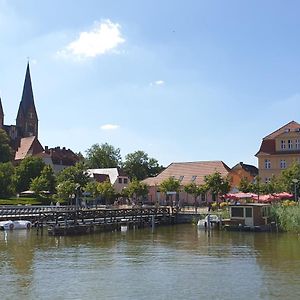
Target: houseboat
<point>248,217</point>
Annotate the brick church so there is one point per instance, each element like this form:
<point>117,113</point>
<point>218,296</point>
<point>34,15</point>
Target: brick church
<point>24,135</point>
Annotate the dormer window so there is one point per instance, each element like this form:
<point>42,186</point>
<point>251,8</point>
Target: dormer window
<point>194,178</point>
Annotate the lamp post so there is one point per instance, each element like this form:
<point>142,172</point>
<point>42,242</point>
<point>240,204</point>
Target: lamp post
<point>295,181</point>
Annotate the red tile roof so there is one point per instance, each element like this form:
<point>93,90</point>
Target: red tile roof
<point>28,146</point>
<point>268,145</point>
<point>290,126</point>
<point>188,172</point>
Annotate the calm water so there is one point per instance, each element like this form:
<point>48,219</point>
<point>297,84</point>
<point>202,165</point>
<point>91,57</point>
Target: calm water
<point>173,263</point>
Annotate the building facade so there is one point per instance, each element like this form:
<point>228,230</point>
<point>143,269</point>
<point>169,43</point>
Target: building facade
<point>279,150</point>
<point>185,172</point>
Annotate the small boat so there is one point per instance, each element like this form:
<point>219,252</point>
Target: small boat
<point>209,220</point>
<point>19,224</point>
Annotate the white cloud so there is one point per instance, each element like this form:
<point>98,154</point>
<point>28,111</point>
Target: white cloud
<point>110,127</point>
<point>157,82</point>
<point>103,38</point>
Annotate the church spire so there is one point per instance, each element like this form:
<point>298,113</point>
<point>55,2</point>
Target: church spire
<point>27,119</point>
<point>1,114</point>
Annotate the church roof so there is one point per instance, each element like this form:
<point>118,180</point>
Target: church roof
<point>29,146</point>
<point>27,96</point>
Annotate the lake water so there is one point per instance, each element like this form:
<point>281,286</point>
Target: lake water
<point>174,262</point>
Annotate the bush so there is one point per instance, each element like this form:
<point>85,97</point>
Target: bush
<point>287,216</point>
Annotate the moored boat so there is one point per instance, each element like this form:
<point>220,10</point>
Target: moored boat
<point>11,225</point>
<point>209,221</point>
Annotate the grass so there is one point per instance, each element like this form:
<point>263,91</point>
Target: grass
<point>287,217</point>
<point>26,201</point>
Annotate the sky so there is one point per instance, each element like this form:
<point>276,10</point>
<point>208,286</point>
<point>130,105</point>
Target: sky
<point>183,81</point>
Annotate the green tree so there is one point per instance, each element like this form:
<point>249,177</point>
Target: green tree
<point>6,153</point>
<point>76,174</point>
<point>103,156</point>
<point>196,191</point>
<point>92,188</point>
<point>45,182</point>
<point>217,185</point>
<point>244,185</point>
<point>137,189</point>
<point>170,185</point>
<point>6,179</point>
<point>66,189</point>
<point>290,174</point>
<point>29,168</point>
<point>140,166</point>
<point>107,191</point>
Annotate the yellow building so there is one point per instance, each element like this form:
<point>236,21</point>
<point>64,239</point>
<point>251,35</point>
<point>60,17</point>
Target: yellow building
<point>279,150</point>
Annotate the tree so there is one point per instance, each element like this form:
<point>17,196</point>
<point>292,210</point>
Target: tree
<point>137,188</point>
<point>138,165</point>
<point>195,190</point>
<point>66,189</point>
<point>6,179</point>
<point>170,185</point>
<point>44,182</point>
<point>290,174</point>
<point>103,156</point>
<point>106,191</point>
<point>92,188</point>
<point>76,174</point>
<point>6,153</point>
<point>244,185</point>
<point>72,180</point>
<point>217,185</point>
<point>29,168</point>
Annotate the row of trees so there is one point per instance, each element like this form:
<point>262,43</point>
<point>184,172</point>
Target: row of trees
<point>136,165</point>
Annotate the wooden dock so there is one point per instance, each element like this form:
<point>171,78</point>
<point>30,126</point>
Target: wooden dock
<point>69,220</point>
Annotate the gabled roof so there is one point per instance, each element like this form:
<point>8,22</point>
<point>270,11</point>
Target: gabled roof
<point>248,168</point>
<point>289,126</point>
<point>113,173</point>
<point>268,145</point>
<point>27,100</point>
<point>188,172</point>
<point>29,146</point>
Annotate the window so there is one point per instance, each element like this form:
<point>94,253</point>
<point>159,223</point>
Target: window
<point>282,144</point>
<point>297,144</point>
<point>248,212</point>
<point>125,180</point>
<point>194,177</point>
<point>267,180</point>
<point>267,164</point>
<point>282,164</point>
<point>237,212</point>
<point>120,180</point>
<point>290,144</point>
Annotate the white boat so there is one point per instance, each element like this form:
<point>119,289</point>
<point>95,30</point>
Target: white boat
<point>209,220</point>
<point>10,225</point>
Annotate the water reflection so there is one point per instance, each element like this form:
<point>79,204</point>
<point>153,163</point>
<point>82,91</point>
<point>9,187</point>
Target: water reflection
<point>174,262</point>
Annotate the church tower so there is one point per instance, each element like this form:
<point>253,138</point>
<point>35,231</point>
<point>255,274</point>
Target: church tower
<point>27,120</point>
<point>1,115</point>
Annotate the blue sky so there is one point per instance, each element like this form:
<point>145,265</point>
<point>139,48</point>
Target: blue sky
<point>181,80</point>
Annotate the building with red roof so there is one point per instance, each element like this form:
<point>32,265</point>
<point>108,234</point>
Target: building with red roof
<point>279,150</point>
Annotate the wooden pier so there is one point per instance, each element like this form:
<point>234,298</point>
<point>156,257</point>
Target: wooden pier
<point>69,220</point>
